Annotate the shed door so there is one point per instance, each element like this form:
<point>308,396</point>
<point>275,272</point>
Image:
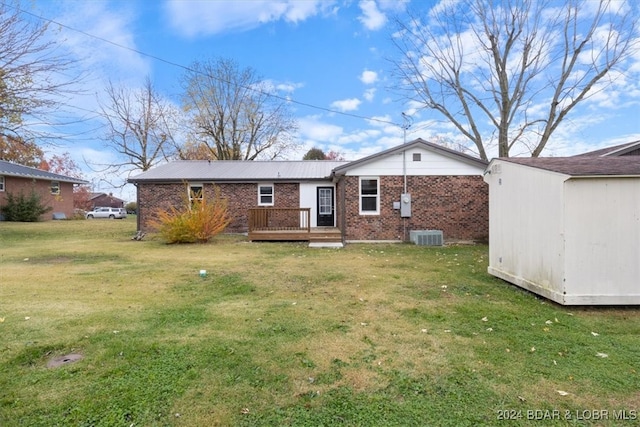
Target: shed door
<point>325,207</point>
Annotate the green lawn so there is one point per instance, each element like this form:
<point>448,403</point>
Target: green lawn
<point>280,334</point>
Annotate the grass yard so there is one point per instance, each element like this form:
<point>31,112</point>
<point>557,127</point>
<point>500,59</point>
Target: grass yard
<point>280,334</point>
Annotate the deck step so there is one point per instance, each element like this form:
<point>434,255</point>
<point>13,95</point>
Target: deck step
<point>325,234</point>
<point>326,245</point>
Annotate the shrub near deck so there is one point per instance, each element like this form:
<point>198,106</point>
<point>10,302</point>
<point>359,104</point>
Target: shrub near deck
<point>281,334</point>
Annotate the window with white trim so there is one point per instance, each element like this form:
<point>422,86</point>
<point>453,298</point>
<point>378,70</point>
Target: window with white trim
<point>369,196</point>
<point>55,187</point>
<point>1,183</point>
<point>265,195</point>
<point>196,192</point>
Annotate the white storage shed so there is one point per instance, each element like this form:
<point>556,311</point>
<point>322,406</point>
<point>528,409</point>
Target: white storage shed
<point>567,228</point>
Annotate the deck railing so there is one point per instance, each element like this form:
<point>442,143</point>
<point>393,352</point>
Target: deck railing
<point>279,219</point>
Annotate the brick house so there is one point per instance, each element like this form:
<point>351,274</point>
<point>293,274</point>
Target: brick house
<point>414,186</point>
<point>105,200</point>
<point>55,191</point>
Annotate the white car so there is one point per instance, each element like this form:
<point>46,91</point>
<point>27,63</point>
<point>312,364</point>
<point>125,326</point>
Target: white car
<point>111,213</point>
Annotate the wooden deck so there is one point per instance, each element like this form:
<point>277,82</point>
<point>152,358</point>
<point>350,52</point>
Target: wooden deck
<point>288,224</point>
<point>313,235</point>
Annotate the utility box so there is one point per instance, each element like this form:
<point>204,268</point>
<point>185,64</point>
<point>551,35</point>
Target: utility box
<point>405,205</point>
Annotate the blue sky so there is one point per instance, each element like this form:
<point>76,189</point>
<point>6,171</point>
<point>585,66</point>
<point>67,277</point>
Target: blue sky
<point>330,54</point>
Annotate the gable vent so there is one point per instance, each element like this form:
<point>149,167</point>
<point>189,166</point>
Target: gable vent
<point>426,237</point>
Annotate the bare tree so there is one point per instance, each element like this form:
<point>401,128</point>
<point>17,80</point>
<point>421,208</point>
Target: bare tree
<point>140,126</point>
<point>35,75</point>
<point>520,65</point>
<point>234,113</point>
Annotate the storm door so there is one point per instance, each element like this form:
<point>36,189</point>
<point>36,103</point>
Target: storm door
<point>325,207</point>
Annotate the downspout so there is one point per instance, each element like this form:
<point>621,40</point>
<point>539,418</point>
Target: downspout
<point>137,208</point>
<point>343,207</point>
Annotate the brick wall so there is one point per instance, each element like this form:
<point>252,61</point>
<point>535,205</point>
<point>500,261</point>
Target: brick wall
<point>457,205</point>
<point>62,202</point>
<point>107,200</point>
<point>240,197</point>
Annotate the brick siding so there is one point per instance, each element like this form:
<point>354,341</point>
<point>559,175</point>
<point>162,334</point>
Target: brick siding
<point>240,198</point>
<point>457,205</point>
<point>62,202</point>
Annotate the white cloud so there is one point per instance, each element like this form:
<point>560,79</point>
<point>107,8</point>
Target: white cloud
<point>310,127</point>
<point>372,18</point>
<point>359,136</point>
<point>369,94</point>
<point>286,87</point>
<point>369,77</point>
<point>211,17</point>
<point>343,105</point>
<point>118,60</point>
<point>393,5</point>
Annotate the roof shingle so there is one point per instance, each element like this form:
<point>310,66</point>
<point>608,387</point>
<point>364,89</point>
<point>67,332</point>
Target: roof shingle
<point>582,165</point>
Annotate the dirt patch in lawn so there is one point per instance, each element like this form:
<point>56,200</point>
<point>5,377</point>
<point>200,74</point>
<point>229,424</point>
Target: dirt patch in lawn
<point>58,361</point>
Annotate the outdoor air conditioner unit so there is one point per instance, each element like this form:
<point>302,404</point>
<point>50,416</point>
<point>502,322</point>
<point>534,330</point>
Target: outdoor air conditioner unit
<point>426,237</point>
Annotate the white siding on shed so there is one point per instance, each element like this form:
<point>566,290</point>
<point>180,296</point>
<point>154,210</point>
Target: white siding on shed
<point>572,239</point>
<point>604,237</point>
<point>525,226</point>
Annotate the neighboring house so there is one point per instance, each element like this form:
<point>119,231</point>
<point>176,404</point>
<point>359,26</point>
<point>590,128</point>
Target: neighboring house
<point>105,200</point>
<point>567,228</point>
<point>54,190</point>
<point>415,186</point>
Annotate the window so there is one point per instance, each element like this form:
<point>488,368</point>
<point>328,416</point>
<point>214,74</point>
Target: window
<point>369,196</point>
<point>265,194</point>
<point>1,183</point>
<point>196,193</point>
<point>55,187</point>
<point>417,157</point>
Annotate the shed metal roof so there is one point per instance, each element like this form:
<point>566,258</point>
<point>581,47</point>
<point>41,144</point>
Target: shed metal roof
<point>20,171</point>
<point>239,171</point>
<point>582,165</point>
